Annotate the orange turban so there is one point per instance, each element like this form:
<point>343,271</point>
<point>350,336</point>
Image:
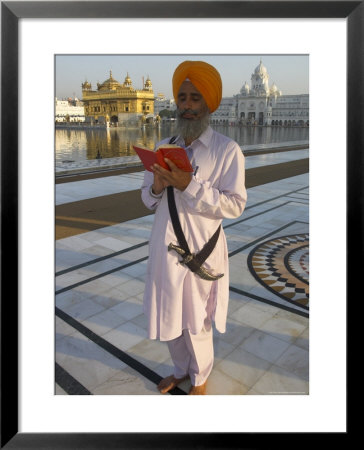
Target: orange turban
<point>204,77</point>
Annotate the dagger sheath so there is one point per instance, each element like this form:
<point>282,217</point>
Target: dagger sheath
<point>190,261</point>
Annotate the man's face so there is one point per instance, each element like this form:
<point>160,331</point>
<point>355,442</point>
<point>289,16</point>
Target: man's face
<point>192,112</point>
<point>190,102</point>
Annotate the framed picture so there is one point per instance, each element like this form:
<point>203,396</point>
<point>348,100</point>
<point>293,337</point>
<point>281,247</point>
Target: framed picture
<point>11,181</point>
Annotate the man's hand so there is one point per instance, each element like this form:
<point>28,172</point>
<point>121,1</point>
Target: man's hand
<point>175,177</point>
<point>159,183</point>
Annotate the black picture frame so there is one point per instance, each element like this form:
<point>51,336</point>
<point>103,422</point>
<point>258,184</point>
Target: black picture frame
<point>11,12</point>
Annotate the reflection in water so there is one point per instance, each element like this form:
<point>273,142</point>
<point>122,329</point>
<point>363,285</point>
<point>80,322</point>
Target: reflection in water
<point>264,135</point>
<point>79,145</point>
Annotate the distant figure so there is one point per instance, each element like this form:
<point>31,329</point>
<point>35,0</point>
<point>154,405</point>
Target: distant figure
<point>98,156</point>
<point>183,295</point>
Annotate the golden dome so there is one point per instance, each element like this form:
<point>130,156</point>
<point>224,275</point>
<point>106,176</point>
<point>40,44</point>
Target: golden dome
<point>86,85</point>
<point>148,83</point>
<point>127,81</point>
<point>109,84</point>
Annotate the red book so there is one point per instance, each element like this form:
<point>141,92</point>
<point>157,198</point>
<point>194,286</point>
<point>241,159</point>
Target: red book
<point>176,154</point>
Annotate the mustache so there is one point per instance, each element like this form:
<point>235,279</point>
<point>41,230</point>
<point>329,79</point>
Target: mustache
<point>188,111</point>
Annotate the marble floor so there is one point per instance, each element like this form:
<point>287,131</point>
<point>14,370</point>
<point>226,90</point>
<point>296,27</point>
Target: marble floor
<point>101,341</point>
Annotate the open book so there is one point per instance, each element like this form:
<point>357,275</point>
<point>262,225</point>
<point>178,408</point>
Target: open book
<point>173,152</point>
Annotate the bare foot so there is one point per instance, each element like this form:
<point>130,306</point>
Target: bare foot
<point>198,390</point>
<point>169,383</point>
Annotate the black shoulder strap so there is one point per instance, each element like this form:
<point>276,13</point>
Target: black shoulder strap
<point>174,215</point>
<point>193,262</point>
<point>175,220</point>
<point>208,247</point>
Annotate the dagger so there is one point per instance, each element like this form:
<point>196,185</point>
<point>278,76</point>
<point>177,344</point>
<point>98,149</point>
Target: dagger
<point>187,258</point>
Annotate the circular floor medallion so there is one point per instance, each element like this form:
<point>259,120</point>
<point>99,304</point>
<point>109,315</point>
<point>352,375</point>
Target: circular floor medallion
<point>282,266</point>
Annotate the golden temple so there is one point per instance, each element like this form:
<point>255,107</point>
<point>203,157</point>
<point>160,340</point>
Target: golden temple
<point>117,103</point>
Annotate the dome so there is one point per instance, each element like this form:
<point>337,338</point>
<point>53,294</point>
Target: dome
<point>86,85</point>
<point>245,89</point>
<point>261,69</point>
<point>127,81</point>
<point>148,84</point>
<point>109,84</point>
<point>274,88</point>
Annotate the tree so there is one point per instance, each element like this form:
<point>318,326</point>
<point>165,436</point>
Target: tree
<point>167,113</point>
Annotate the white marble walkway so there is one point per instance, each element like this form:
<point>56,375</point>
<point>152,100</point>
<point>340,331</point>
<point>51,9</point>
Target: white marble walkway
<point>100,324</point>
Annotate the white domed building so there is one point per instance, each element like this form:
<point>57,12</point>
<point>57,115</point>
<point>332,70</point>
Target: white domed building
<point>260,79</point>
<point>255,103</point>
<point>262,104</point>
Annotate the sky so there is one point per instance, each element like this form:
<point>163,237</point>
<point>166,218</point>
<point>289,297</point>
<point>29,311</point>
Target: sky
<point>289,72</point>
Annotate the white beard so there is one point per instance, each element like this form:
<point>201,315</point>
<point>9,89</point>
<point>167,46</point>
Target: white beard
<point>191,128</point>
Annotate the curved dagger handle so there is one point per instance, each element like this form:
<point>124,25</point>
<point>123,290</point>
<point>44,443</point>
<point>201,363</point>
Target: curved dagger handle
<point>201,272</point>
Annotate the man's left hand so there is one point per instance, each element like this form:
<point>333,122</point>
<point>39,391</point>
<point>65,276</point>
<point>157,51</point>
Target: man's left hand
<point>175,177</point>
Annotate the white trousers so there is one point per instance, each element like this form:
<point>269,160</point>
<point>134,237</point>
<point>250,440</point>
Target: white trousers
<point>193,354</point>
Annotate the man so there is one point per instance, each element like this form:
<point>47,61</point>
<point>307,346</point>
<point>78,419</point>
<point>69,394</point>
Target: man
<point>179,304</point>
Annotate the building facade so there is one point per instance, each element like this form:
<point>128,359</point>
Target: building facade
<point>161,103</point>
<point>225,114</point>
<point>262,104</point>
<point>71,110</point>
<point>118,103</point>
<point>291,110</point>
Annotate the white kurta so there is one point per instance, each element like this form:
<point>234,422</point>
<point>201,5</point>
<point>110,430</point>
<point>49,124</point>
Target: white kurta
<point>174,297</point>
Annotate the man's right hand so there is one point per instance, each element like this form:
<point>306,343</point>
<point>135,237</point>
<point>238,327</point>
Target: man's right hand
<point>159,183</point>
